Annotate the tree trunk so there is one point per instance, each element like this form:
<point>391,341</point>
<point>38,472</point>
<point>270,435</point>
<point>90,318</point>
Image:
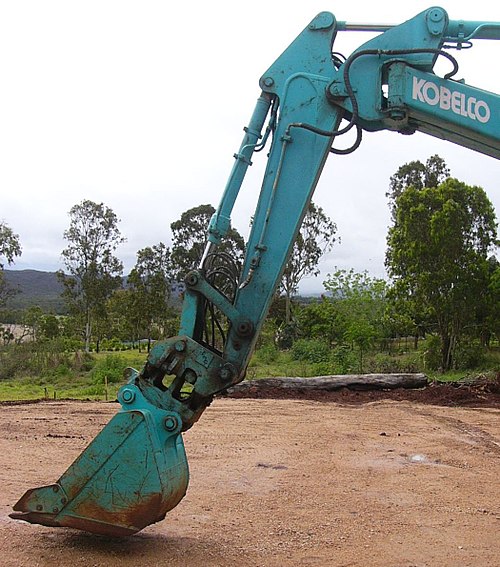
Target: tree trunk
<point>288,308</point>
<point>88,331</point>
<point>336,382</point>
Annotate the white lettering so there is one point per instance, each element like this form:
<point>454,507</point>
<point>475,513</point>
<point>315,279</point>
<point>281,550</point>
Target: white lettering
<point>435,91</point>
<point>469,107</point>
<point>471,101</point>
<point>445,97</point>
<point>455,102</point>
<point>417,89</point>
<point>463,111</point>
<point>480,104</point>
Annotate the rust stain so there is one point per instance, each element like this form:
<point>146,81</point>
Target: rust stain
<point>89,516</point>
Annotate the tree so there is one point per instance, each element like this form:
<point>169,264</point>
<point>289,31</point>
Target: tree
<point>360,301</point>
<point>150,282</point>
<point>189,239</point>
<point>32,320</point>
<point>437,254</point>
<point>417,175</point>
<point>315,238</point>
<point>494,301</point>
<point>9,244</point>
<point>9,249</point>
<point>94,271</point>
<point>123,321</point>
<point>320,320</point>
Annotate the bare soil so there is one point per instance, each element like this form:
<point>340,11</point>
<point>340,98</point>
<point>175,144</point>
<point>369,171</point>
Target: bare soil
<point>356,479</point>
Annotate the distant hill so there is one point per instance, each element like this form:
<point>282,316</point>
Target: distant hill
<point>35,288</point>
<point>43,289</point>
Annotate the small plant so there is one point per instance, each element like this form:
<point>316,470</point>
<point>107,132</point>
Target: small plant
<point>267,354</point>
<point>344,359</point>
<point>109,368</point>
<point>311,350</point>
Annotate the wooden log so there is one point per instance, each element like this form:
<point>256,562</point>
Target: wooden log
<point>335,382</point>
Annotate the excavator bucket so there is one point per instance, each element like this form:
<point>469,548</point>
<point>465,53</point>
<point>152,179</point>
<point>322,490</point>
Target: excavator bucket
<point>130,476</point>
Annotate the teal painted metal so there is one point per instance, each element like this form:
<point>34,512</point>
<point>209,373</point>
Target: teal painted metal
<point>220,223</point>
<point>396,89</point>
<point>445,109</point>
<point>130,476</point>
<point>136,469</point>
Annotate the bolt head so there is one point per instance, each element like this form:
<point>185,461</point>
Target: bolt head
<point>128,396</point>
<point>170,423</point>
<point>191,279</point>
<point>180,346</point>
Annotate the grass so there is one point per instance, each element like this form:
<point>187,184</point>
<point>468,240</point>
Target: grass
<point>267,362</point>
<point>68,385</point>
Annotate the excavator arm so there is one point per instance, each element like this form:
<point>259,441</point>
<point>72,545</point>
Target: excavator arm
<point>136,470</point>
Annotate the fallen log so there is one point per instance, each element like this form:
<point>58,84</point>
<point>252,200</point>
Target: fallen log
<point>334,382</point>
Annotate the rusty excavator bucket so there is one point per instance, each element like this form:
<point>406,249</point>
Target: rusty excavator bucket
<point>130,476</point>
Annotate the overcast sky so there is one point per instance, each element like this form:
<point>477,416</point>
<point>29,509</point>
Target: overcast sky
<point>140,105</point>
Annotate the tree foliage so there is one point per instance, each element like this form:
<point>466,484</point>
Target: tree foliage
<point>437,254</point>
<point>315,238</point>
<point>9,244</point>
<point>360,302</point>
<point>189,239</point>
<point>94,272</point>
<point>9,249</point>
<point>417,175</point>
<point>150,282</point>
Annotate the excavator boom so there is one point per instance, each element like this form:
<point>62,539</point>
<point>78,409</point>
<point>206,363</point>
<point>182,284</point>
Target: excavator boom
<point>136,470</point>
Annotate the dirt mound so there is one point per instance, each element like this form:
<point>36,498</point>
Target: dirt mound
<point>481,391</point>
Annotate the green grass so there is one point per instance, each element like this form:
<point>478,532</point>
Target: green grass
<point>267,362</point>
<point>74,388</point>
<point>67,385</point>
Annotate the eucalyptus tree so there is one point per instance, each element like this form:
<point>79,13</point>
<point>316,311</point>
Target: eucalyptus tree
<point>316,237</point>
<point>150,283</point>
<point>93,270</point>
<point>189,239</point>
<point>10,248</point>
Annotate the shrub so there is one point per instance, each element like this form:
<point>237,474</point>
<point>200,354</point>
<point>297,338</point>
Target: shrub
<point>267,353</point>
<point>111,368</point>
<point>311,350</point>
<point>432,352</point>
<point>344,359</point>
<point>384,363</point>
<point>42,358</point>
<point>468,356</point>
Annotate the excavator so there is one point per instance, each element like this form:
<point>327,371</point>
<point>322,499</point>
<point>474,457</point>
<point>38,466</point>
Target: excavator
<point>136,470</point>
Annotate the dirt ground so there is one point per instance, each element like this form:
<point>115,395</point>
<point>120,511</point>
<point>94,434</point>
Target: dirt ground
<point>361,479</point>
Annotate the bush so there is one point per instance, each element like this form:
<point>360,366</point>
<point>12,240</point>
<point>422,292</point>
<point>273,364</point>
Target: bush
<point>42,358</point>
<point>344,359</point>
<point>112,344</point>
<point>468,356</point>
<point>267,353</point>
<point>311,350</point>
<point>83,361</point>
<point>431,348</point>
<point>111,368</point>
<point>384,363</point>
